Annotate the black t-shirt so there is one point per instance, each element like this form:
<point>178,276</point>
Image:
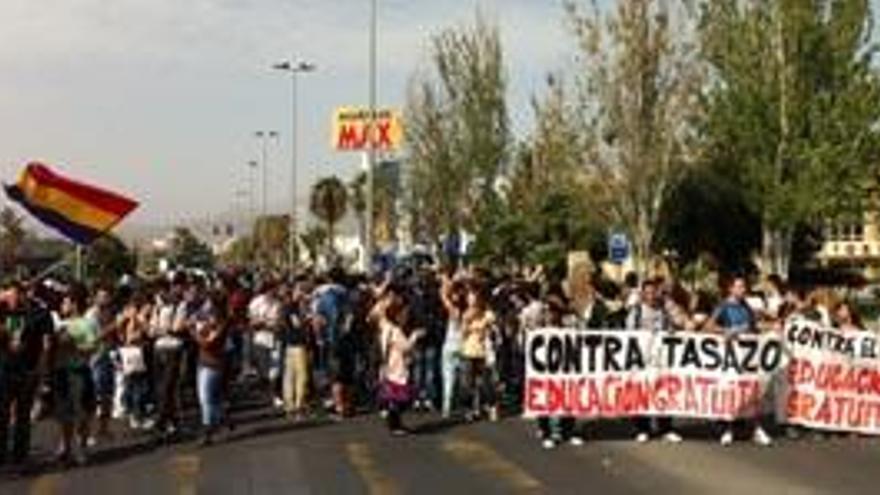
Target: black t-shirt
<point>25,330</point>
<point>293,332</point>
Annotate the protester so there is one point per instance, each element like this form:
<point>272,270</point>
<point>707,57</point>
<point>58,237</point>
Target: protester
<point>557,313</point>
<point>26,330</point>
<point>397,345</point>
<point>73,381</point>
<point>211,331</point>
<point>454,302</point>
<point>735,319</point>
<point>134,325</point>
<point>478,322</point>
<point>169,341</point>
<point>650,314</point>
<point>295,339</point>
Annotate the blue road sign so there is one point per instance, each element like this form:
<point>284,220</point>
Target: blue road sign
<point>618,248</point>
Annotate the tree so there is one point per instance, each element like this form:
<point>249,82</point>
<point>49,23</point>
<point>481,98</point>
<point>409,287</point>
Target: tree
<point>543,210</point>
<point>108,258</point>
<point>190,252</point>
<point>792,110</point>
<point>329,202</point>
<point>12,236</point>
<point>640,84</point>
<point>458,135</point>
<point>270,237</point>
<point>313,239</point>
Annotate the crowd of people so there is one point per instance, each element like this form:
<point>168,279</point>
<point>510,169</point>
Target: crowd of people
<point>332,345</point>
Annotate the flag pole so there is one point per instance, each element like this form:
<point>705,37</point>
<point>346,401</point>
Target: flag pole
<point>79,263</point>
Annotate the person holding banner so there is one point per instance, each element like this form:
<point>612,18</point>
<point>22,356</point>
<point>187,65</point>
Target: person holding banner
<point>557,313</point>
<point>651,314</point>
<point>734,318</point>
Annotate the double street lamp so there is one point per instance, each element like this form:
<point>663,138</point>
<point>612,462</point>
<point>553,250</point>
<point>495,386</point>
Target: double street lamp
<point>294,69</point>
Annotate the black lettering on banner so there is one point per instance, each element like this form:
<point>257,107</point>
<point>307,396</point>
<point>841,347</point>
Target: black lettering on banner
<point>554,354</point>
<point>691,357</point>
<point>538,342</point>
<point>711,356</point>
<point>613,346</point>
<point>869,348</point>
<point>791,334</point>
<point>572,353</point>
<point>592,342</point>
<point>635,359</point>
<point>731,361</point>
<point>671,342</point>
<point>750,361</point>
<point>771,355</point>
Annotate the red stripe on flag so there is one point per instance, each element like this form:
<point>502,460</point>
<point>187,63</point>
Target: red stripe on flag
<point>100,198</point>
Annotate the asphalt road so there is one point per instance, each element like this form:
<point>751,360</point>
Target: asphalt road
<point>267,455</point>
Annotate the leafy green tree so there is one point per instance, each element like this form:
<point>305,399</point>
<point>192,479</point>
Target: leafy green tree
<point>12,237</point>
<point>329,203</point>
<point>792,110</point>
<point>313,239</point>
<point>108,258</point>
<point>189,251</point>
<point>458,135</point>
<point>639,82</point>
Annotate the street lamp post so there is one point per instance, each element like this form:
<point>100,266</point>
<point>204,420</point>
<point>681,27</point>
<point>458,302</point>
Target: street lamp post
<point>295,69</point>
<point>371,150</point>
<point>264,137</point>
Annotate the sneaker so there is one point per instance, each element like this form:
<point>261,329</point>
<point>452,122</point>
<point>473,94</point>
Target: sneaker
<point>278,403</point>
<point>400,432</point>
<point>493,414</point>
<point>148,424</point>
<point>576,441</point>
<point>548,444</point>
<point>642,438</point>
<point>727,438</point>
<point>672,437</point>
<point>762,438</point>
<point>134,424</point>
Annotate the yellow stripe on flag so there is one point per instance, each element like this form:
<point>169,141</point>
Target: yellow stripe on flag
<point>66,205</point>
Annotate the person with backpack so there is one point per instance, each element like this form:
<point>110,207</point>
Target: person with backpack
<point>650,314</point>
<point>734,318</point>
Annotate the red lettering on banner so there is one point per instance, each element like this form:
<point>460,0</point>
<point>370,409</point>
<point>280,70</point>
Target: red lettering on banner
<point>823,415</point>
<point>534,390</point>
<point>690,398</point>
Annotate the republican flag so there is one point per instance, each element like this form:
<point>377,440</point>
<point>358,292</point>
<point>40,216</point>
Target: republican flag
<point>79,211</point>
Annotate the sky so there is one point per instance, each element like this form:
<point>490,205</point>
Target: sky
<point>160,99</point>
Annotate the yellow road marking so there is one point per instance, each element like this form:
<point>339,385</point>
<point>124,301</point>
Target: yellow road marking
<point>185,469</point>
<point>361,458</point>
<point>480,457</point>
<point>46,485</point>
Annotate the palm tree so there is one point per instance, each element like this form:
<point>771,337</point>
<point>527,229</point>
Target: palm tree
<point>329,202</point>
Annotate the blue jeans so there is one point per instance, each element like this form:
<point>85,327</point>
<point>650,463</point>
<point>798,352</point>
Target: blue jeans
<point>137,387</point>
<point>210,390</point>
<point>451,363</point>
<point>424,370</point>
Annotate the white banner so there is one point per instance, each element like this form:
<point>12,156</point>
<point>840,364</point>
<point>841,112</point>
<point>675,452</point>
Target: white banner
<point>833,379</point>
<point>616,373</point>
